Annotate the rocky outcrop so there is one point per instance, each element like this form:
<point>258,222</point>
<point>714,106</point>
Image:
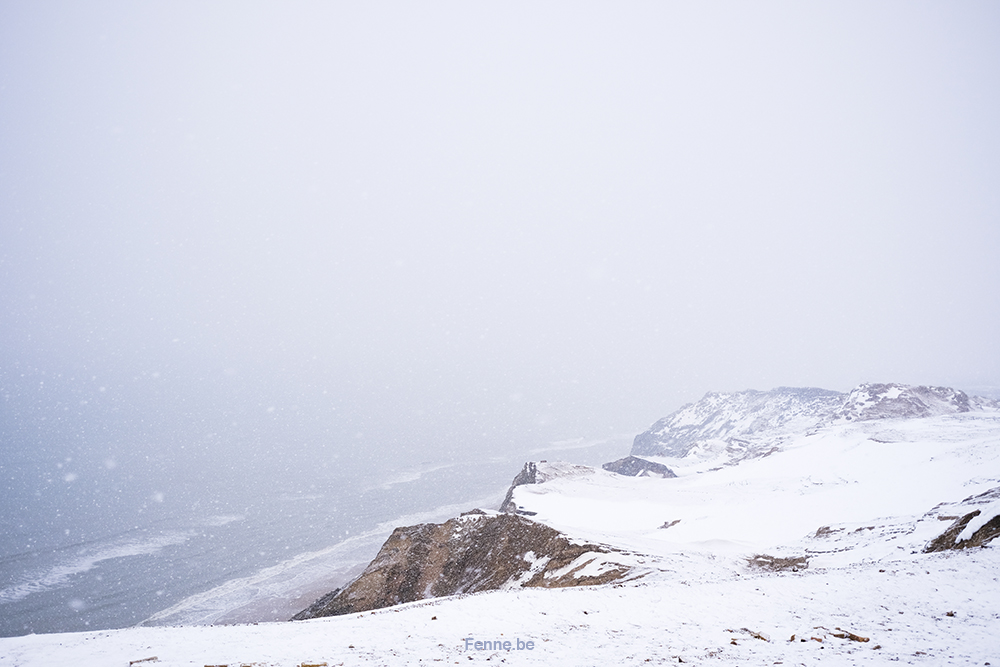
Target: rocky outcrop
<point>951,538</point>
<point>633,466</point>
<point>477,551</point>
<point>528,475</point>
<point>539,473</point>
<point>777,563</point>
<point>972,529</point>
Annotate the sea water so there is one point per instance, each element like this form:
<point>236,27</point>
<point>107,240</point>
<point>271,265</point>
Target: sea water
<point>84,553</point>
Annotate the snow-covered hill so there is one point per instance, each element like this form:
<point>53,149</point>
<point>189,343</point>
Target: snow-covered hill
<point>736,418</point>
<point>891,471</point>
<point>808,544</point>
<point>747,423</point>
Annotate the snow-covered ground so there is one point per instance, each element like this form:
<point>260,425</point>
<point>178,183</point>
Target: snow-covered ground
<point>903,611</point>
<point>845,473</point>
<point>858,500</point>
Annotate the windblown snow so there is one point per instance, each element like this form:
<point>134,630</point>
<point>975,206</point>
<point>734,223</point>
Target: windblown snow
<point>785,539</point>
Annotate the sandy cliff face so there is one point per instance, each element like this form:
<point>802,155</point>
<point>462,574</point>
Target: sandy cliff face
<point>477,551</point>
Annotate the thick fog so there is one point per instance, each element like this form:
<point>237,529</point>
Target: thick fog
<point>302,236</point>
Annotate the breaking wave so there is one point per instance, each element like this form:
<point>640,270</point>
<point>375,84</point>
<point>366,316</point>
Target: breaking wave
<point>60,575</point>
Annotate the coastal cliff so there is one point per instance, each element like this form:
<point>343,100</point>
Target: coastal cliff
<point>478,551</point>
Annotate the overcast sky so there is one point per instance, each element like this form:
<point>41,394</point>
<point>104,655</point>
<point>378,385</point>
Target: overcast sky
<point>493,217</point>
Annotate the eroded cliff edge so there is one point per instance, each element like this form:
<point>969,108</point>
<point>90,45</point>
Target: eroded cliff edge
<point>477,551</point>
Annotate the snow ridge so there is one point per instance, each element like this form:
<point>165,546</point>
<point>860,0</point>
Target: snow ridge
<point>755,420</point>
<point>889,401</point>
<point>736,416</point>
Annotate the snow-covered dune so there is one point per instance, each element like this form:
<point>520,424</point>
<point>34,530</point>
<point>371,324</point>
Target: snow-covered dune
<point>847,472</point>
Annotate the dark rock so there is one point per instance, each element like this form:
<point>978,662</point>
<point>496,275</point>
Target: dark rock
<point>633,466</point>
